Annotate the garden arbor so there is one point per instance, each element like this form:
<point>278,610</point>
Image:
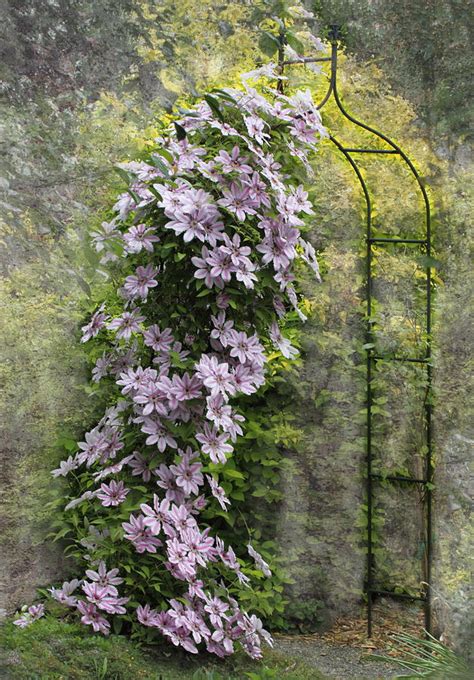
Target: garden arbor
<point>376,361</point>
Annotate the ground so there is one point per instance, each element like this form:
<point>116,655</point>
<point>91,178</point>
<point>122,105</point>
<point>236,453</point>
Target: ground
<point>56,650</point>
<point>52,650</point>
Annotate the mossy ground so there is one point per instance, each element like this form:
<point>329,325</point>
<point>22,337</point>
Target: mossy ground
<point>54,650</point>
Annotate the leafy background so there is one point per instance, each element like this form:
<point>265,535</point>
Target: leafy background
<point>82,83</point>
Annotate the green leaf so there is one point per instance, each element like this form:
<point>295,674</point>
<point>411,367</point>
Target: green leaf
<point>180,131</point>
<point>294,42</point>
<point>204,292</point>
<point>232,474</point>
<point>123,174</point>
<point>268,43</point>
<point>214,106</point>
<point>224,95</point>
<point>160,164</point>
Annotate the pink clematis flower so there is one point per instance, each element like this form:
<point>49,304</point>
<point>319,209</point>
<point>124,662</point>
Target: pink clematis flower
<point>186,387</point>
<point>139,466</point>
<point>238,200</point>
<point>64,595</point>
<point>258,190</point>
<point>167,481</point>
<point>153,398</point>
<point>91,616</point>
<point>158,435</point>
<point>96,323</point>
<point>140,284</point>
<point>181,518</point>
<point>246,348</point>
<point>178,554</point>
<point>140,535</point>
<point>65,467</point>
<point>255,127</point>
<point>215,376</point>
<point>217,610</point>
<point>98,594</point>
<point>188,475</point>
<point>103,577</point>
<point>259,561</point>
<point>157,515</point>
<point>218,492</point>
<point>196,626</point>
<point>158,340</point>
<point>181,637</point>
<point>233,162</point>
<point>147,616</point>
<point>281,343</point>
<point>126,324</point>
<point>112,494</point>
<point>204,270</point>
<point>235,250</point>
<point>138,237</point>
<point>33,613</point>
<point>214,444</point>
<point>222,326</point>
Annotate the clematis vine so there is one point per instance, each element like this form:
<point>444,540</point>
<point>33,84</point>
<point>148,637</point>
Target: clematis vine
<point>211,235</point>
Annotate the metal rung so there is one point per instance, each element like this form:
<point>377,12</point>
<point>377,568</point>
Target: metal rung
<point>370,150</point>
<point>398,478</point>
<point>397,240</point>
<point>401,596</point>
<point>410,359</point>
<point>305,60</point>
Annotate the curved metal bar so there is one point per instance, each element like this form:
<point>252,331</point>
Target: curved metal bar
<point>386,139</point>
<point>359,177</point>
<point>326,97</point>
<point>332,79</point>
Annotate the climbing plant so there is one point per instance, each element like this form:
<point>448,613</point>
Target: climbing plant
<point>207,244</point>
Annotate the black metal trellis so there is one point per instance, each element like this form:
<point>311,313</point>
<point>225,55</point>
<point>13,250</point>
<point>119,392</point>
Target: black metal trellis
<point>372,478</point>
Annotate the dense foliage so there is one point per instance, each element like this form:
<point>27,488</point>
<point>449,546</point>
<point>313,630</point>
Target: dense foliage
<point>211,227</point>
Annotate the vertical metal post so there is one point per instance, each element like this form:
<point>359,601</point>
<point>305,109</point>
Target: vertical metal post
<point>429,444</point>
<point>369,360</point>
<point>281,57</point>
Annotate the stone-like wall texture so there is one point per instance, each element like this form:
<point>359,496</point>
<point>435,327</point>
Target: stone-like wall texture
<point>454,434</point>
<point>42,373</point>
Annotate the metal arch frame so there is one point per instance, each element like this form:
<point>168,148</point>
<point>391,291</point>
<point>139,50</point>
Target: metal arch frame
<point>371,358</point>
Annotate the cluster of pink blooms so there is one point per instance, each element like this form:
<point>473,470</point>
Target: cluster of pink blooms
<point>99,597</point>
<point>207,200</point>
<point>30,615</point>
<point>207,619</point>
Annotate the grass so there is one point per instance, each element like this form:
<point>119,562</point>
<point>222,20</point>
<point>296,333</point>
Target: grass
<point>54,650</point>
<point>426,658</point>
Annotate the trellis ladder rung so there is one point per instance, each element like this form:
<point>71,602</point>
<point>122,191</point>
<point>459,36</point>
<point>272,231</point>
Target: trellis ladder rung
<point>413,360</point>
<point>376,239</point>
<point>401,596</point>
<point>304,60</point>
<point>398,478</point>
